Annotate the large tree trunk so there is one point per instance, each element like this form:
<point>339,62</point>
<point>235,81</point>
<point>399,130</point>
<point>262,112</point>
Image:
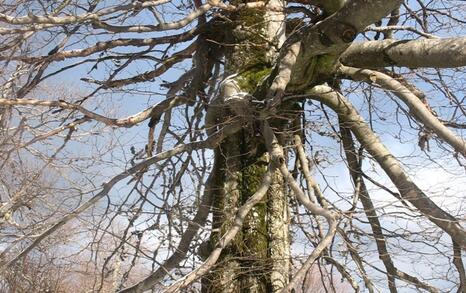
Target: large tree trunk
<point>258,258</point>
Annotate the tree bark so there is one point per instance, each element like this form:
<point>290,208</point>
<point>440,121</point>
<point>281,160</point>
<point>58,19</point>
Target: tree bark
<point>392,167</point>
<point>257,260</point>
<point>440,53</point>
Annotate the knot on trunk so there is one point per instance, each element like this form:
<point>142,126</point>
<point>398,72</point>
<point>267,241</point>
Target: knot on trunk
<point>230,102</point>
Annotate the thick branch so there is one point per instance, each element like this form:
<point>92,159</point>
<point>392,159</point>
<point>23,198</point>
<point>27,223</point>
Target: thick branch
<point>333,35</point>
<point>416,106</point>
<point>441,53</point>
<point>354,166</point>
<point>341,28</point>
<point>408,189</point>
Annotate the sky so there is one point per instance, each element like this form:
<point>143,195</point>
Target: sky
<point>428,175</point>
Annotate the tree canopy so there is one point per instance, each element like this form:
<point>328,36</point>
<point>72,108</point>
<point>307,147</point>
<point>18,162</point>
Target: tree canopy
<point>237,146</point>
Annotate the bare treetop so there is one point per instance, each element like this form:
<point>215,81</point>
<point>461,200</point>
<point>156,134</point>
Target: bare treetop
<point>256,146</point>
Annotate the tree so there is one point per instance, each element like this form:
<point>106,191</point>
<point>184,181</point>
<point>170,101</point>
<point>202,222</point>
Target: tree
<point>250,106</point>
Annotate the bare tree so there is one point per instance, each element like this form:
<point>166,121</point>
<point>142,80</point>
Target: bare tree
<point>236,146</point>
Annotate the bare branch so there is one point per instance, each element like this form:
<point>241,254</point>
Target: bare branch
<point>227,237</point>
<point>277,156</point>
<point>408,189</point>
<point>441,53</point>
<point>416,106</point>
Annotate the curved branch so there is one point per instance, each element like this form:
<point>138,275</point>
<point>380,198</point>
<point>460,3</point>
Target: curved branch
<point>149,75</point>
<point>211,142</point>
<point>392,167</point>
<point>74,19</point>
<point>122,122</point>
<point>416,106</point>
<point>185,241</point>
<point>330,36</point>
<point>354,167</point>
<point>201,10</point>
<point>106,45</point>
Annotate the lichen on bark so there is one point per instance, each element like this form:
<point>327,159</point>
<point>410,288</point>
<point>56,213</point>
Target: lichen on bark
<point>249,263</point>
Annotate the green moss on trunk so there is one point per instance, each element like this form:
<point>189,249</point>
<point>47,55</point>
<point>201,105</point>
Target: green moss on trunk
<point>244,265</point>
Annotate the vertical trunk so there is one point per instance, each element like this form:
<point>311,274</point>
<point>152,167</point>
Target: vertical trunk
<point>258,259</point>
<point>279,243</point>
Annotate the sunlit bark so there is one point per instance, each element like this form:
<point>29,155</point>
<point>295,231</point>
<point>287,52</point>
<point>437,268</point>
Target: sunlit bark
<point>258,258</point>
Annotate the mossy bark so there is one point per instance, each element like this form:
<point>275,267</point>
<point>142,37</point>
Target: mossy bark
<point>258,258</point>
